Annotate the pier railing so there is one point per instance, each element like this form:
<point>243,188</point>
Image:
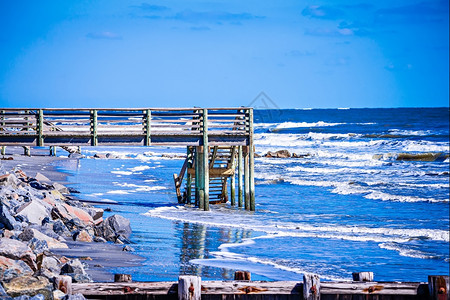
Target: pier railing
<point>145,126</point>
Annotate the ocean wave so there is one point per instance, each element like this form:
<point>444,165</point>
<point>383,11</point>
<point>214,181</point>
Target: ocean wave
<point>407,251</point>
<point>139,168</point>
<point>282,229</point>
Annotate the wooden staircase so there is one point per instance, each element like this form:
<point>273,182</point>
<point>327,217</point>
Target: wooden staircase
<point>221,167</point>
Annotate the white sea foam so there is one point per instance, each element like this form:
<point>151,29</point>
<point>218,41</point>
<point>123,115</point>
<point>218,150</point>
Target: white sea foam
<point>139,168</point>
<point>118,192</point>
<point>122,172</point>
<point>405,251</point>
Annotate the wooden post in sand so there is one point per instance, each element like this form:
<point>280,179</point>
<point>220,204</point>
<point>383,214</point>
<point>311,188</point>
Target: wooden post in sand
<point>3,150</point>
<point>240,174</point>
<point>122,278</point>
<point>311,287</point>
<point>147,129</point>
<point>362,276</point>
<point>94,137</point>
<point>242,275</point>
<point>40,128</point>
<point>52,150</point>
<point>189,287</point>
<point>438,287</point>
<point>205,162</point>
<point>26,151</point>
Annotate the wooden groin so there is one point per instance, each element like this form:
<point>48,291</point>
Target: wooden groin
<point>217,139</point>
<point>310,288</point>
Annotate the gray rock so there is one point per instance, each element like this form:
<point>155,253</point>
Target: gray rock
<point>99,239</point>
<point>30,286</point>
<point>42,178</point>
<point>74,297</point>
<point>60,229</point>
<point>34,211</point>
<point>76,155</point>
<point>113,227</point>
<point>80,278</point>
<point>38,246</point>
<point>73,266</point>
<point>9,180</point>
<point>128,248</point>
<point>17,250</point>
<point>6,219</point>
<point>11,268</point>
<point>60,188</point>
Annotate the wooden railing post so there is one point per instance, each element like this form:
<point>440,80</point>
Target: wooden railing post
<point>205,168</point>
<point>251,160</point>
<point>148,119</point>
<point>94,136</point>
<point>311,287</point>
<point>189,287</point>
<point>40,128</point>
<point>240,174</point>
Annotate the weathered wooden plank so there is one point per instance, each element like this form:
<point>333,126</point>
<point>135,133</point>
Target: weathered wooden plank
<point>439,287</point>
<point>125,288</point>
<point>381,288</point>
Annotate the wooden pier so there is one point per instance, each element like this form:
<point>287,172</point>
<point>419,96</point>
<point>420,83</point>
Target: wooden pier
<point>310,288</point>
<point>218,141</point>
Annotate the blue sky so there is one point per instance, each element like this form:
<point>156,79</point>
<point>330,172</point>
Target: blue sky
<point>320,54</point>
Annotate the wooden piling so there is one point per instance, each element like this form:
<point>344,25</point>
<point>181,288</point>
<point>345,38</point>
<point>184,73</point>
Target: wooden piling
<point>197,165</point>
<point>251,160</point>
<point>94,135</point>
<point>240,174</point>
<point>242,275</point>
<point>189,177</point>
<point>3,150</point>
<point>246,178</point>
<point>311,287</point>
<point>438,287</point>
<point>233,177</point>
<point>205,175</point>
<point>362,276</point>
<point>26,151</point>
<point>189,287</point>
<point>64,284</point>
<point>52,150</point>
<point>40,128</point>
<point>148,118</point>
<point>122,278</point>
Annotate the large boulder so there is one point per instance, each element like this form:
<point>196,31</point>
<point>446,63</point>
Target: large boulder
<point>34,211</point>
<point>113,227</point>
<point>82,236</point>
<point>29,285</point>
<point>17,250</point>
<point>79,213</point>
<point>10,268</point>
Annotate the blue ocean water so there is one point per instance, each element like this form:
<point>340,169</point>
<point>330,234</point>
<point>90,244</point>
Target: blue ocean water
<point>347,205</point>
